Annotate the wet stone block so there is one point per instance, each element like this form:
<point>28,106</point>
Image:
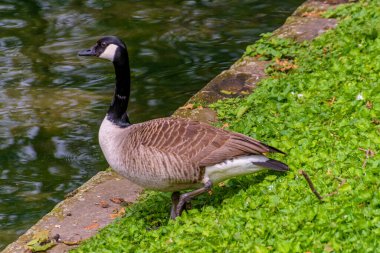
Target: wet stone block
<point>301,28</point>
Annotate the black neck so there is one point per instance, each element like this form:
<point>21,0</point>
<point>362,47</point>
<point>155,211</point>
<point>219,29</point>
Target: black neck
<point>117,113</point>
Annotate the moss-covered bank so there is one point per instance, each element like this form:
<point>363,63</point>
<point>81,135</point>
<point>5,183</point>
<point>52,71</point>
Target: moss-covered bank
<point>321,105</point>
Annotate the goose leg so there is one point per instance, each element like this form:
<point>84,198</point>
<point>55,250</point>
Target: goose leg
<point>186,197</point>
<point>175,199</point>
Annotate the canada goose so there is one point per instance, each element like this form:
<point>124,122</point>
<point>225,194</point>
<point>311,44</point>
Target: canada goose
<point>171,154</point>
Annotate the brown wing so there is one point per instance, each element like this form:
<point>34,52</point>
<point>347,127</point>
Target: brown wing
<point>198,142</point>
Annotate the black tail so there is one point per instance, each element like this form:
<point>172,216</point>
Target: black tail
<point>273,165</point>
<point>275,150</point>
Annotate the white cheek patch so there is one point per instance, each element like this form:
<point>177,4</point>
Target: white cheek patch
<point>109,53</point>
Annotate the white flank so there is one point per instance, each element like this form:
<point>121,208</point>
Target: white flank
<point>234,167</point>
<point>109,53</point>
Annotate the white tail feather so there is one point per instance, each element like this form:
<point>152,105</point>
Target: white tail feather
<point>235,167</point>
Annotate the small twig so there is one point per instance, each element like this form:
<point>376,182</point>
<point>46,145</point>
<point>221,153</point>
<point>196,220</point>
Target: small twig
<point>311,185</point>
<point>368,153</point>
<point>342,182</point>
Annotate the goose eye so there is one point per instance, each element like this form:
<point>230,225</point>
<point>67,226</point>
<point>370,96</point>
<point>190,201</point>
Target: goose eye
<point>103,44</point>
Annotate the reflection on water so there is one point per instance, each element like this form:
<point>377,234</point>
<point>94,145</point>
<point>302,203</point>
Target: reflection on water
<point>51,102</point>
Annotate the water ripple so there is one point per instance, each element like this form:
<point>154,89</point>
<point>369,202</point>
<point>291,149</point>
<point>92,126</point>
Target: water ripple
<point>12,23</point>
<point>7,43</point>
<point>7,7</point>
<point>4,174</point>
<point>33,132</point>
<point>60,147</point>
<point>7,189</point>
<point>27,154</point>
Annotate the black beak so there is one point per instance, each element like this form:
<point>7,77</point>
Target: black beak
<point>88,52</point>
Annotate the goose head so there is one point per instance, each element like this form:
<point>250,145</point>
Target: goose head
<point>110,47</point>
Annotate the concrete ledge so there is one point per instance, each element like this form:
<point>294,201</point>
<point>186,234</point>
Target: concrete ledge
<point>82,213</point>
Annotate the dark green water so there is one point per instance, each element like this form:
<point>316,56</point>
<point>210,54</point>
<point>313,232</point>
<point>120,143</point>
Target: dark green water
<point>52,102</point>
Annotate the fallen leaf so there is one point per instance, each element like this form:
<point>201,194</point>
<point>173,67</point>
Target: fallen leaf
<point>225,125</point>
<point>117,200</point>
<point>71,243</point>
<point>92,226</point>
<point>104,204</point>
<point>41,236</point>
<point>227,92</point>
<point>241,110</point>
<point>284,65</point>
<point>313,14</point>
<point>117,213</point>
<point>188,106</point>
<point>40,242</point>
<point>328,248</point>
<point>369,104</point>
<point>330,102</point>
